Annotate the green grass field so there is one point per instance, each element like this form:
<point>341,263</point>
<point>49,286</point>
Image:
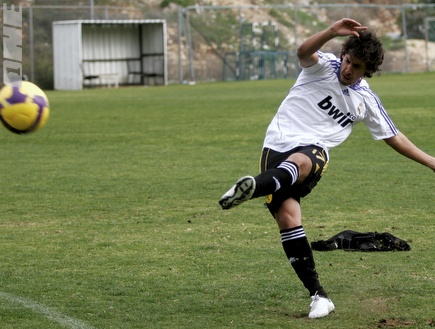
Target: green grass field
<point>109,215</point>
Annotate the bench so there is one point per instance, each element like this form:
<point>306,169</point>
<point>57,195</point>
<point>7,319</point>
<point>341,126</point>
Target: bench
<point>90,79</point>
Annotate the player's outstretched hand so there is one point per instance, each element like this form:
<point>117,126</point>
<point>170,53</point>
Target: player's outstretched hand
<point>347,26</point>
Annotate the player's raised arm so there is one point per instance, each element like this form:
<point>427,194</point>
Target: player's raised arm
<point>307,51</point>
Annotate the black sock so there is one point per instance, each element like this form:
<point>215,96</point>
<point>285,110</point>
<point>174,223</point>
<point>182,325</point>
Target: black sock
<point>272,180</point>
<point>301,258</point>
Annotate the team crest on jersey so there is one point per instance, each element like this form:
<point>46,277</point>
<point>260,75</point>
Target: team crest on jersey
<point>360,107</point>
<point>345,92</point>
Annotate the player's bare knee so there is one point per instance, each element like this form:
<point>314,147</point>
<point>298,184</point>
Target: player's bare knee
<point>289,214</point>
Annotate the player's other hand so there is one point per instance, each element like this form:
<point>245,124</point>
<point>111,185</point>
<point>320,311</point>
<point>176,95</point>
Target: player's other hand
<point>347,26</point>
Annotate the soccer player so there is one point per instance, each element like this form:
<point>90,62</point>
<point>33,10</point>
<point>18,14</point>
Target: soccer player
<point>329,97</point>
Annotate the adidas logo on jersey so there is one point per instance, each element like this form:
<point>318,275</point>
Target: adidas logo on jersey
<point>335,113</point>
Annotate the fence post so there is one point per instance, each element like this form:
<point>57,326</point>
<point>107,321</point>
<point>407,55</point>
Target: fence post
<point>91,9</point>
<point>405,38</point>
<point>190,48</point>
<point>31,45</point>
<point>180,35</point>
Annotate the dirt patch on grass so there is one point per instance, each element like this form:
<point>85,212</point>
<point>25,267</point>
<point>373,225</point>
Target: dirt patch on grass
<point>376,305</point>
<point>394,323</point>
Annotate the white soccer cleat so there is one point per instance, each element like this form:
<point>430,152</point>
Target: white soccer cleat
<point>320,307</point>
<point>242,191</point>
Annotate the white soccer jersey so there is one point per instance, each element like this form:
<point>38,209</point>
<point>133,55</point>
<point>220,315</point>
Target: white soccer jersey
<point>320,110</point>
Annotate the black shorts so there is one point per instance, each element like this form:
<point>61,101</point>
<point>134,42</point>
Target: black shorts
<point>271,159</point>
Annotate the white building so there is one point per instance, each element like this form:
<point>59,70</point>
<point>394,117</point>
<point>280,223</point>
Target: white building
<point>108,53</point>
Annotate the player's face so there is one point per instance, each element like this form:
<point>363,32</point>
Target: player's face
<point>351,70</point>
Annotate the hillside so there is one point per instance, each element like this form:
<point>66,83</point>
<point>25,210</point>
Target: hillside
<point>213,38</point>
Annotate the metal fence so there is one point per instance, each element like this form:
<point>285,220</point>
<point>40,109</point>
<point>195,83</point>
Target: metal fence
<point>212,43</point>
<point>240,38</point>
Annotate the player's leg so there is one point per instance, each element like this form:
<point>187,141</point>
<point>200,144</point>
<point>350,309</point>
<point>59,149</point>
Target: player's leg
<point>292,170</point>
<point>285,207</point>
<point>300,256</point>
<point>277,181</point>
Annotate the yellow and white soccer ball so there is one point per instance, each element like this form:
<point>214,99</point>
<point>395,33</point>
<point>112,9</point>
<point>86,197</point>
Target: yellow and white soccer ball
<point>24,107</point>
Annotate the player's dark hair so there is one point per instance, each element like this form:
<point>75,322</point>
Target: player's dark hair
<point>366,48</point>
